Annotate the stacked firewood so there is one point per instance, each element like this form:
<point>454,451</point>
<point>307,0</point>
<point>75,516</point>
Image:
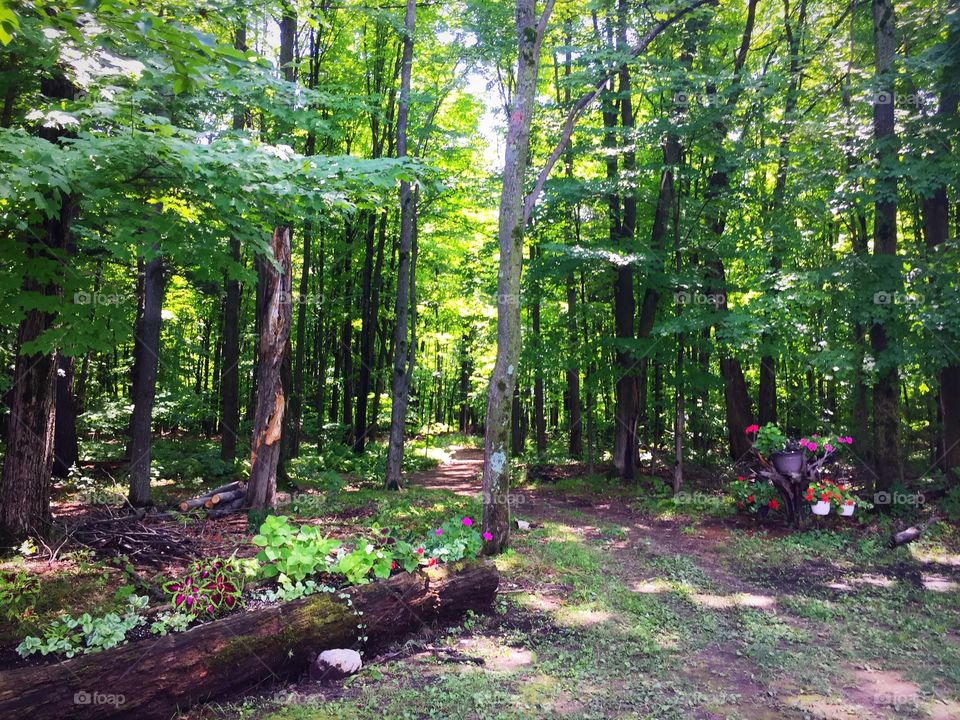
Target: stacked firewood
<point>218,502</point>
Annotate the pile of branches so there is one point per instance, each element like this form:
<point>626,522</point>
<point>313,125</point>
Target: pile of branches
<point>131,535</point>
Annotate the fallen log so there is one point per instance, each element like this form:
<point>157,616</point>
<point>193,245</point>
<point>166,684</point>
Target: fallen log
<point>228,508</point>
<point>911,533</point>
<point>155,677</point>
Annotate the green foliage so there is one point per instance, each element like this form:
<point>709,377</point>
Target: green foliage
<point>454,540</point>
<point>770,439</point>
<point>753,495</point>
<point>69,636</point>
<point>290,554</point>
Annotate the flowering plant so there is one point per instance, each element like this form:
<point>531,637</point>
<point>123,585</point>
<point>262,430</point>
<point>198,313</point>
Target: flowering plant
<point>456,539</point>
<point>209,588</point>
<point>824,446</point>
<point>767,439</point>
<point>752,495</point>
<point>829,491</point>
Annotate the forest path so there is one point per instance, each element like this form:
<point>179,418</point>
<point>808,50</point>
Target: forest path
<point>652,560</point>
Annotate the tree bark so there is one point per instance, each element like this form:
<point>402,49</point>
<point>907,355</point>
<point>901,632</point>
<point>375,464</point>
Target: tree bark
<point>146,360</point>
<point>157,677</point>
<point>275,314</point>
<point>25,481</point>
<point>888,466</point>
<point>496,471</point>
<point>403,348</point>
<point>65,448</point>
<point>936,230</point>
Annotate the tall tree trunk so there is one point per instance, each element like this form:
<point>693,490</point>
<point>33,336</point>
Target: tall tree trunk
<point>575,446</point>
<point>25,481</point>
<point>886,400</point>
<point>146,358</point>
<point>539,421</point>
<point>230,367</point>
<point>275,314</point>
<point>403,346</point>
<point>65,449</point>
<point>496,470</point>
<point>936,213</point>
<point>767,394</point>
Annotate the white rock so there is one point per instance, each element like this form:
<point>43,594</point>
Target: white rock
<point>336,664</point>
<point>523,524</point>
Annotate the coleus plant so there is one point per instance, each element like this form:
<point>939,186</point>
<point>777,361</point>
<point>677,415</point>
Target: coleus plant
<point>210,588</point>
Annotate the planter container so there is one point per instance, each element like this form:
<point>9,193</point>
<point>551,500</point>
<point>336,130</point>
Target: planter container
<point>787,463</point>
<point>821,508</point>
<point>847,510</point>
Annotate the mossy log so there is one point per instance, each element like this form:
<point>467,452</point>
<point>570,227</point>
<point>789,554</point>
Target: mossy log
<point>155,677</point>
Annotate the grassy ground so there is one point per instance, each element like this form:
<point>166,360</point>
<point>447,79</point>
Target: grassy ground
<point>617,603</point>
<point>609,613</point>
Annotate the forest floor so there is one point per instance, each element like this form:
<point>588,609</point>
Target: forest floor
<point>609,610</point>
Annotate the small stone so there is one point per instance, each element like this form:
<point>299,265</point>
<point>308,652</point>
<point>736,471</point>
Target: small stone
<point>335,665</point>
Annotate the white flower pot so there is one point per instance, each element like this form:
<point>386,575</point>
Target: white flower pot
<point>821,508</point>
<point>847,510</point>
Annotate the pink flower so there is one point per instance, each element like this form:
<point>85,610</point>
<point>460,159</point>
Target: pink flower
<point>804,442</point>
<point>467,521</point>
<point>438,532</point>
<point>487,536</point>
<point>812,447</point>
<point>751,429</point>
<point>828,448</point>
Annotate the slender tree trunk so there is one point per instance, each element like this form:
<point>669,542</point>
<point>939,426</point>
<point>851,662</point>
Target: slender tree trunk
<point>539,421</point>
<point>403,345</point>
<point>230,366</point>
<point>936,230</point>
<point>146,358</point>
<point>275,314</point>
<point>65,448</point>
<point>575,447</point>
<point>886,402</point>
<point>496,470</point>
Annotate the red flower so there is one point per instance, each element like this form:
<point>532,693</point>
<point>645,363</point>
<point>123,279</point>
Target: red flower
<point>773,504</point>
<point>431,562</point>
<point>420,551</point>
<point>751,429</point>
<point>749,498</point>
<point>393,566</point>
<point>740,478</point>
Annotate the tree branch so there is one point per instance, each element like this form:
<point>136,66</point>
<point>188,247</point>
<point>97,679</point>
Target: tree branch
<point>584,101</point>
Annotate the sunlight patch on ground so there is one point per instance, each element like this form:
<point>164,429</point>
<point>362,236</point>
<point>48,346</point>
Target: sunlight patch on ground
<point>938,583</point>
<point>724,602</point>
<point>820,707</point>
<point>651,587</point>
<point>498,657</point>
<point>544,603</point>
<point>940,709</point>
<point>928,554</point>
<point>582,617</point>
<point>874,580</point>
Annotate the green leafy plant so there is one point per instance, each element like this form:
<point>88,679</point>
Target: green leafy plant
<point>210,588</point>
<point>752,495</point>
<point>769,439</point>
<point>292,554</point>
<point>168,622</point>
<point>71,636</point>
<point>455,540</point>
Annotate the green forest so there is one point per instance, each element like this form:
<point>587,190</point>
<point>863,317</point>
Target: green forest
<point>557,360</point>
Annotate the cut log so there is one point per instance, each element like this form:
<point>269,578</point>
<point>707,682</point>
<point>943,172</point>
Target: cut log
<point>226,497</point>
<point>911,533</point>
<point>201,500</point>
<point>227,508</point>
<point>153,678</point>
